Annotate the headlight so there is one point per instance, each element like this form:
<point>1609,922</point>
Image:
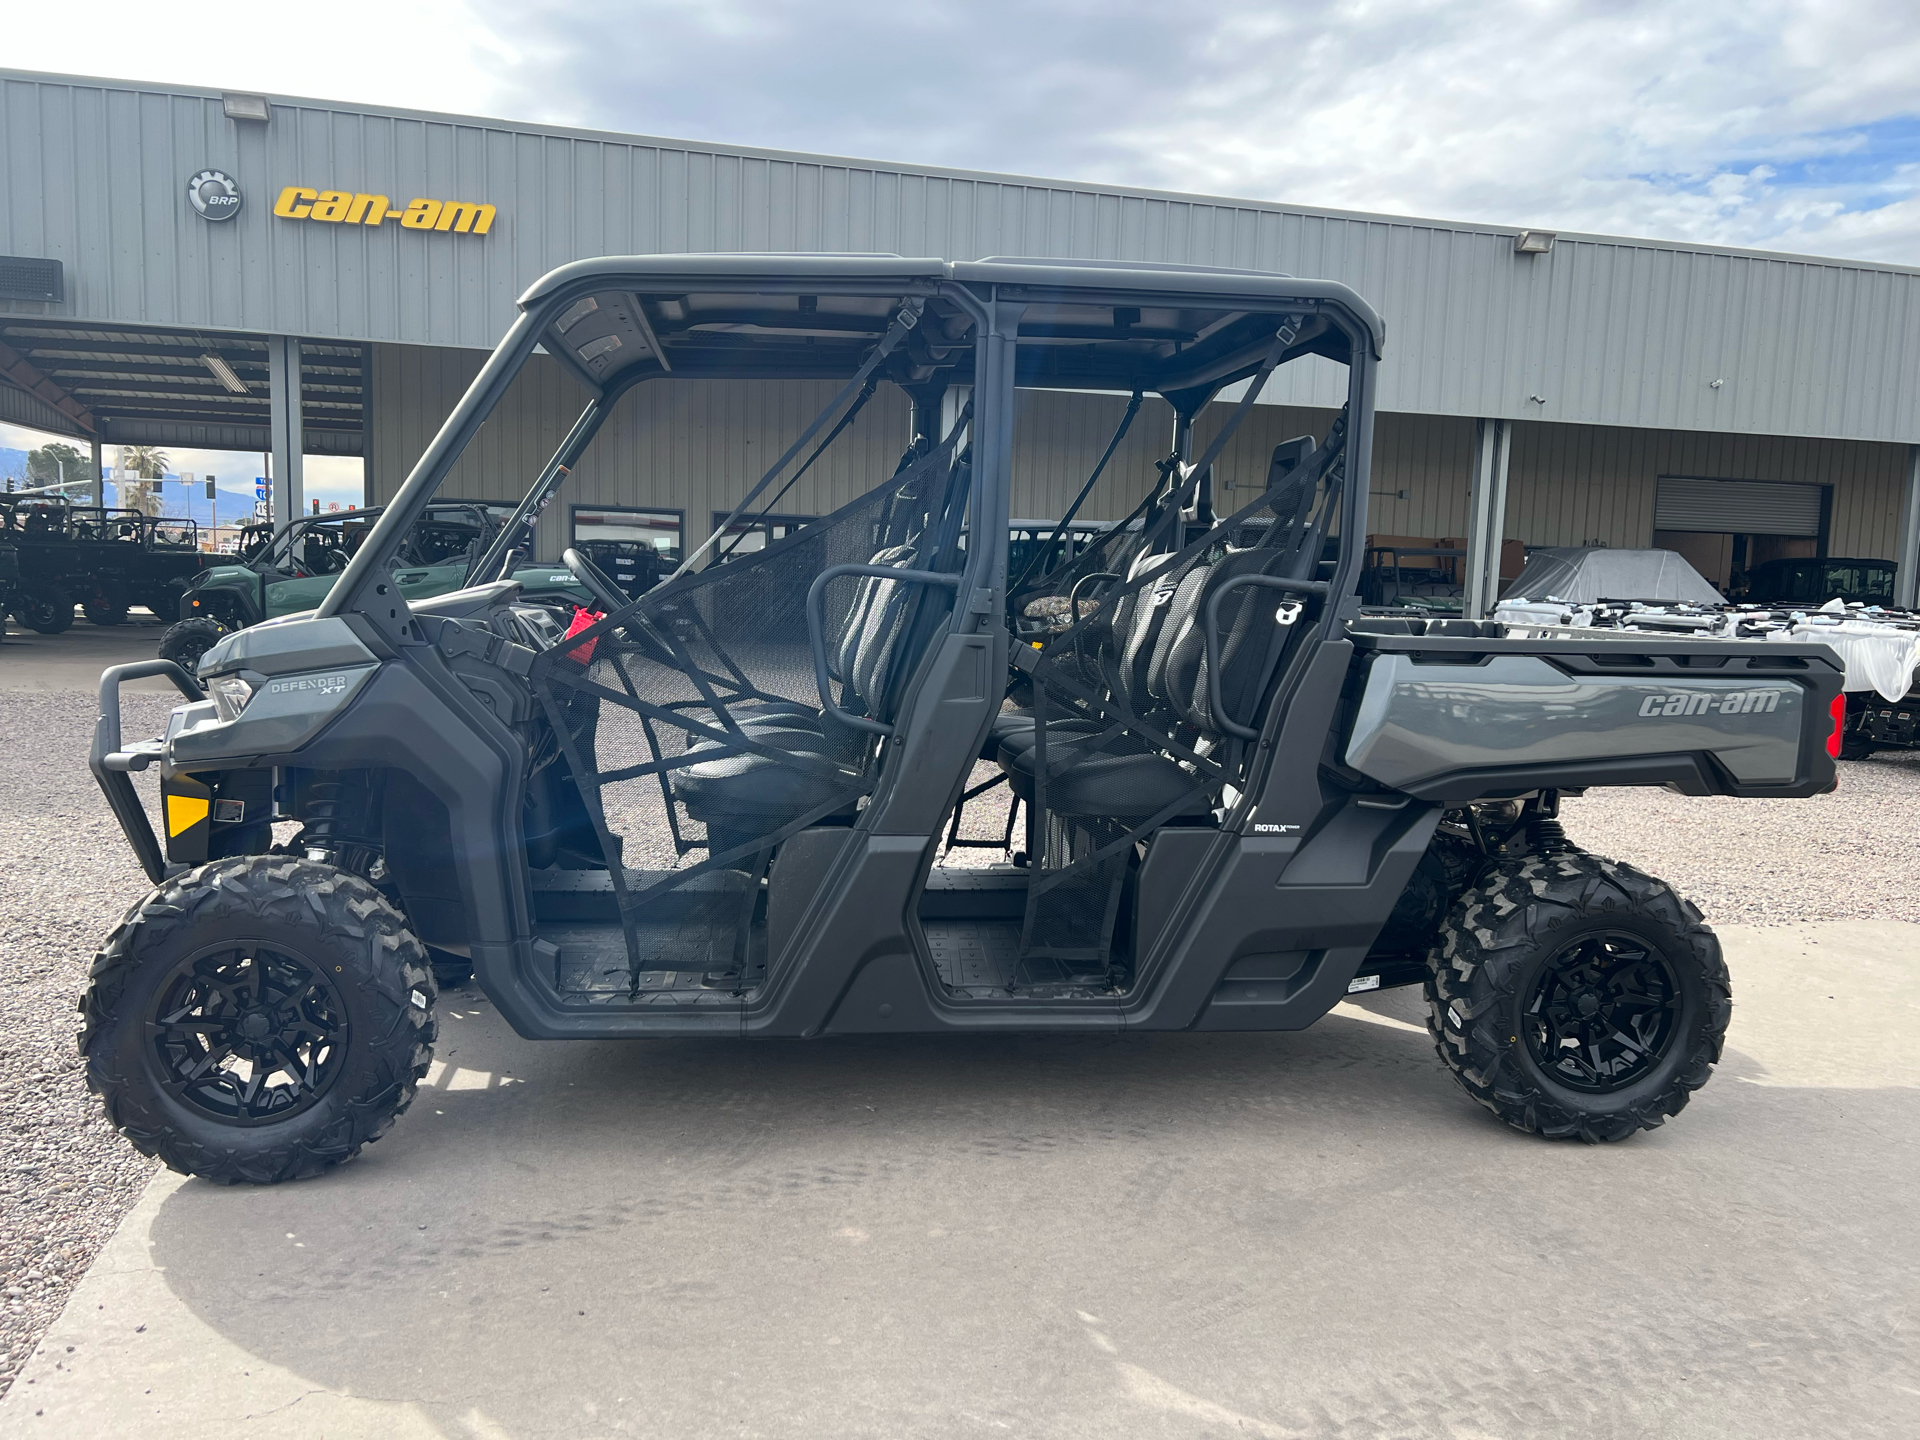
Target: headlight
<point>230,696</point>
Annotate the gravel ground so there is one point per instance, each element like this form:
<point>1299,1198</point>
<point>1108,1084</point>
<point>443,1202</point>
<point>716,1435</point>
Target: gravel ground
<point>66,875</point>
<point>1850,855</point>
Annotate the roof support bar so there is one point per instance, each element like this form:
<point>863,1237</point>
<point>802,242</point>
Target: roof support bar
<point>1486,517</point>
<point>285,424</point>
<point>1906,579</point>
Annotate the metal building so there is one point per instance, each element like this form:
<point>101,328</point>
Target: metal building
<point>172,258</point>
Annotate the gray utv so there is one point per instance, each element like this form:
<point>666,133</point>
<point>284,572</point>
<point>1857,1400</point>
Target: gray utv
<point>849,784</point>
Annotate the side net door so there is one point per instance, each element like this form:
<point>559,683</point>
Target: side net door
<point>689,732</point>
<point>1148,660</point>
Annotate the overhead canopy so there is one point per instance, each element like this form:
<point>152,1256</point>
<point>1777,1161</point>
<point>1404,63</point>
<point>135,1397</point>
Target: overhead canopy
<point>1082,325</point>
<point>134,385</point>
<point>1584,575</point>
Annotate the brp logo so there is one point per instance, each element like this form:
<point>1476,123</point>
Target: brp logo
<point>214,194</point>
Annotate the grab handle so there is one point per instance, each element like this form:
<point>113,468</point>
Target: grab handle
<point>817,638</point>
<point>1211,635</point>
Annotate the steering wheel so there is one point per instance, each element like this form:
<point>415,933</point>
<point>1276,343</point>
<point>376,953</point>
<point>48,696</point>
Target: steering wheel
<point>590,575</point>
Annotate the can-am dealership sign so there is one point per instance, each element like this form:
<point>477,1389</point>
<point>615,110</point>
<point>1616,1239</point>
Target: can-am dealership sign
<point>344,207</point>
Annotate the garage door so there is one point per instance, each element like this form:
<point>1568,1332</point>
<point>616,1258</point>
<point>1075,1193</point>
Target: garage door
<point>1741,507</point>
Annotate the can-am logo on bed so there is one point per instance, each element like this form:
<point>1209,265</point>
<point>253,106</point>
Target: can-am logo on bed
<point>1741,702</point>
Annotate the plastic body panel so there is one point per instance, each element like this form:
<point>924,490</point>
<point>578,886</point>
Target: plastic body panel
<point>1453,719</point>
<point>1419,719</point>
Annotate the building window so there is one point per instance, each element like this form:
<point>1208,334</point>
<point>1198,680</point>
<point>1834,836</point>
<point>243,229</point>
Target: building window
<point>663,531</point>
<point>755,532</point>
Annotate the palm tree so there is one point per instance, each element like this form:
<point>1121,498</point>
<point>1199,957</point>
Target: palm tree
<point>149,463</point>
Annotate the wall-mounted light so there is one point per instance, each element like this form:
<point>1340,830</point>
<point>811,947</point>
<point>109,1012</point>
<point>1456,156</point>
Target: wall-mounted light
<point>223,372</point>
<point>1534,242</point>
<point>247,107</point>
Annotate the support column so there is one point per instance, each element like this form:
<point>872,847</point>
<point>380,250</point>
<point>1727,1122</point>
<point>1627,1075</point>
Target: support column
<point>1486,517</point>
<point>96,487</point>
<point>1906,580</point>
<point>286,426</point>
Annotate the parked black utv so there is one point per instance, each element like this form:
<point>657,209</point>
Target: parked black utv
<point>763,797</point>
<point>106,561</point>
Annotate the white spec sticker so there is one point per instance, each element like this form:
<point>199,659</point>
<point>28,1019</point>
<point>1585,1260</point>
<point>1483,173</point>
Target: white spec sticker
<point>1363,982</point>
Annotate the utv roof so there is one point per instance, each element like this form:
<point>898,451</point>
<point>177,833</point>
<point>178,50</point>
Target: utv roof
<point>1089,323</point>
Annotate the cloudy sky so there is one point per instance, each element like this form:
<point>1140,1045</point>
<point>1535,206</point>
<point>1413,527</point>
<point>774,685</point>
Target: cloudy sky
<point>1779,124</point>
<point>1782,124</point>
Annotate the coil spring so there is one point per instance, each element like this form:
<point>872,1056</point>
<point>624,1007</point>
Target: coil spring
<point>1547,837</point>
<point>326,802</point>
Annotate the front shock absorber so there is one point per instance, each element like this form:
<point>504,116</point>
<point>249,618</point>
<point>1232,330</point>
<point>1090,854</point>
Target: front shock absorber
<point>325,818</point>
<point>334,819</point>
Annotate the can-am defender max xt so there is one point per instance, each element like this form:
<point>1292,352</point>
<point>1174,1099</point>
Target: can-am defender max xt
<point>728,807</point>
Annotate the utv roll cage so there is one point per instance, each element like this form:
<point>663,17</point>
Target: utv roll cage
<point>959,338</point>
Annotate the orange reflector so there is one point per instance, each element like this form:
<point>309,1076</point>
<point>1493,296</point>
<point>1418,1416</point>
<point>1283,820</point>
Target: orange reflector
<point>184,812</point>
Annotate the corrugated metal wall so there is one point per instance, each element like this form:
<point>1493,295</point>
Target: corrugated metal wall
<point>1603,331</point>
<point>1580,484</point>
<point>697,446</point>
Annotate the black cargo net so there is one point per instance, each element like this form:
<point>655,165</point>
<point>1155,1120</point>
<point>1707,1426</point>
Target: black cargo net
<point>691,718</point>
<point>1149,658</point>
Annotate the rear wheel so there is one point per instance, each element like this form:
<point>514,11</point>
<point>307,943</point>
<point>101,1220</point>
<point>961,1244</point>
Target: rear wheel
<point>105,612</point>
<point>1852,747</point>
<point>1576,997</point>
<point>186,641</point>
<point>48,612</point>
<point>258,1019</point>
<point>164,604</point>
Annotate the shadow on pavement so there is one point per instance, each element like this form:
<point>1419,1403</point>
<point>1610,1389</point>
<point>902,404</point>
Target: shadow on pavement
<point>1291,1234</point>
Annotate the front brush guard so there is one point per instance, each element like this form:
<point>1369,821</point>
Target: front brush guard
<point>110,763</point>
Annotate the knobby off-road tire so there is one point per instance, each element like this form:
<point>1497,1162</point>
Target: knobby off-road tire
<point>105,612</point>
<point>48,612</point>
<point>332,966</point>
<point>185,641</point>
<point>1852,747</point>
<point>1588,960</point>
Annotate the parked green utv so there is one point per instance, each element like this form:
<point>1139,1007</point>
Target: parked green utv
<point>293,570</point>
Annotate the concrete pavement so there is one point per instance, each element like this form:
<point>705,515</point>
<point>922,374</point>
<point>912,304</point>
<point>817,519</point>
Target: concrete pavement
<point>1271,1235</point>
<point>73,659</point>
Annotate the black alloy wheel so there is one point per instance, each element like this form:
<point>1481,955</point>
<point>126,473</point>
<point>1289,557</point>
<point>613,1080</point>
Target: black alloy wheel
<point>185,641</point>
<point>249,1035</point>
<point>1576,997</point>
<point>258,1019</point>
<point>49,612</point>
<point>1603,1013</point>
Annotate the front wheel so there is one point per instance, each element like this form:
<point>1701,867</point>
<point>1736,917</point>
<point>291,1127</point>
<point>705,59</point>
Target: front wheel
<point>105,612</point>
<point>49,612</point>
<point>258,1019</point>
<point>185,641</point>
<point>1575,997</point>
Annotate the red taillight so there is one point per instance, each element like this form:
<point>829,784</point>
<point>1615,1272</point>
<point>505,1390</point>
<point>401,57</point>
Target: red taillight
<point>1839,712</point>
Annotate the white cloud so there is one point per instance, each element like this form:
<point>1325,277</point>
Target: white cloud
<point>1775,123</point>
